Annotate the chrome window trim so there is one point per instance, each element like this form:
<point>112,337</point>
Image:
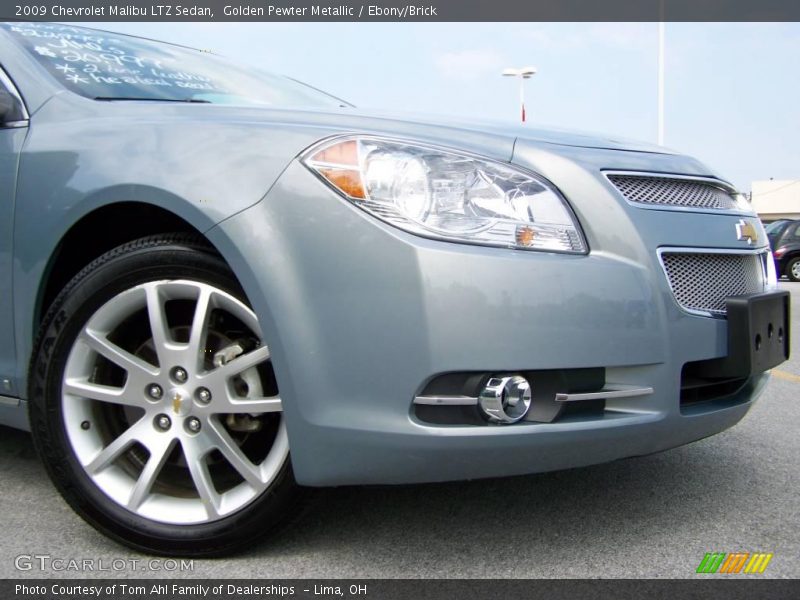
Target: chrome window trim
<point>763,251</point>
<point>712,181</point>
<point>6,82</point>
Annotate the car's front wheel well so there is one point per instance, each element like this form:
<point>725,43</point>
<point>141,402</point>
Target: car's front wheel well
<point>97,233</point>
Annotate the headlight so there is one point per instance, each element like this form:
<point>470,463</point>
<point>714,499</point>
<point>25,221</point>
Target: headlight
<point>446,195</point>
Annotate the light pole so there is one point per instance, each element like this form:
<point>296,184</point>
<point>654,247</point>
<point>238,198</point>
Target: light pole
<point>661,35</point>
<point>523,74</point>
<point>661,83</point>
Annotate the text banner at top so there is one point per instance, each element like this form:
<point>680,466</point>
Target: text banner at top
<point>398,10</point>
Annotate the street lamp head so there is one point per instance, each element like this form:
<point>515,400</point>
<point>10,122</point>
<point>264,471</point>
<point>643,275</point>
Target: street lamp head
<point>525,72</point>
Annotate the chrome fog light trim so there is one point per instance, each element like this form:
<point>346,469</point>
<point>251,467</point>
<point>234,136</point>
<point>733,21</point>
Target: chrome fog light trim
<point>446,400</point>
<point>609,392</point>
<point>505,399</point>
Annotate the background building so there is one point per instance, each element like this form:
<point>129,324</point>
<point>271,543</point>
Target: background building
<point>776,199</point>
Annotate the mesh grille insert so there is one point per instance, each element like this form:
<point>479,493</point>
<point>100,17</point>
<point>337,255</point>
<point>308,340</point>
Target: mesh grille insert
<point>672,192</point>
<point>703,281</point>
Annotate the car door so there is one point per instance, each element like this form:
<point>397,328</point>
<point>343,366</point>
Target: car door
<point>13,128</point>
<point>792,235</point>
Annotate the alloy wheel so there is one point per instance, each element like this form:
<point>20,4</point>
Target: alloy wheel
<point>170,403</point>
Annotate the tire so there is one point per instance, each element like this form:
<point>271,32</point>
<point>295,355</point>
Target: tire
<point>793,269</point>
<point>120,418</point>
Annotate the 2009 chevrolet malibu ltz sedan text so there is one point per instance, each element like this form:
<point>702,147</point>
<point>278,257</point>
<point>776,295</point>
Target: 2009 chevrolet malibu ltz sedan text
<point>220,286</point>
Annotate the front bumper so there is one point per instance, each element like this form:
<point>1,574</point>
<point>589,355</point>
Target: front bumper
<point>359,316</point>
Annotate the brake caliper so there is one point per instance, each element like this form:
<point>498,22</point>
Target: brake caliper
<point>244,384</point>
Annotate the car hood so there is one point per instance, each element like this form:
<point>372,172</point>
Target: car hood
<point>532,132</point>
<point>494,138</point>
<point>411,124</point>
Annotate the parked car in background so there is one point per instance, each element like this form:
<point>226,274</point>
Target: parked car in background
<point>218,286</point>
<point>784,239</point>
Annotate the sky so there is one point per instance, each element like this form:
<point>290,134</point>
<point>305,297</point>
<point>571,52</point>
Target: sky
<point>732,90</point>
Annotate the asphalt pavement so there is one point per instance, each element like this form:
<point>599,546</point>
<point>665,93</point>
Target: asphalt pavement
<point>653,516</point>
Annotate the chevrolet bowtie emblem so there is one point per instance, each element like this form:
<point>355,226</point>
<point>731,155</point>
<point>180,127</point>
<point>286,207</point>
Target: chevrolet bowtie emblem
<point>176,404</point>
<point>746,232</point>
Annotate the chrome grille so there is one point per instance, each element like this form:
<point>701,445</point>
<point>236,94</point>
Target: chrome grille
<point>685,193</point>
<point>702,281</point>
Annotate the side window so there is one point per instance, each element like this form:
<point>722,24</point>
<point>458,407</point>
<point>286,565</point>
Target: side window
<point>12,110</point>
<point>795,233</point>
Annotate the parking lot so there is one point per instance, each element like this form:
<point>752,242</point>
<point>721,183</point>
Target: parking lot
<point>654,516</point>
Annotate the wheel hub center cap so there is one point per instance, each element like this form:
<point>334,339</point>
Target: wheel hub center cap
<point>181,402</point>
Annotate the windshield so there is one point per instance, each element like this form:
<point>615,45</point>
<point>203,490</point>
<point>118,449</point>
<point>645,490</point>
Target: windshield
<point>109,66</point>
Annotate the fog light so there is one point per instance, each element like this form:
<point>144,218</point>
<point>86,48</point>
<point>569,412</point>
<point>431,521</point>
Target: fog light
<point>505,399</point>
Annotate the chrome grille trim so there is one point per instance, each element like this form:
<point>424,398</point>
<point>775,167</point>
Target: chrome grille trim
<point>702,279</point>
<point>673,191</point>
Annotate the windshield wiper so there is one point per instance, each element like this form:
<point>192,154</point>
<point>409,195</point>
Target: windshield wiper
<point>133,99</point>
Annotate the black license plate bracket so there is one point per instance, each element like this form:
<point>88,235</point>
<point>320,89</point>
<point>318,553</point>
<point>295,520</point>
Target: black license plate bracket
<point>758,335</point>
